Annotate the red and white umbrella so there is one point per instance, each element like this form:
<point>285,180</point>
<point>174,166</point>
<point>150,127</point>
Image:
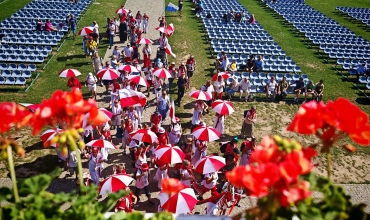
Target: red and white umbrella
<point>181,202</point>
<point>121,11</point>
<point>48,136</point>
<point>138,80</point>
<point>223,107</point>
<point>108,74</point>
<point>69,73</point>
<point>224,75</point>
<point>161,73</point>
<point>144,41</point>
<point>144,135</point>
<point>85,120</point>
<point>128,68</point>
<point>101,144</point>
<point>200,95</point>
<point>114,183</point>
<point>169,154</point>
<point>86,31</point>
<point>169,30</point>
<point>209,164</point>
<point>205,133</point>
<point>30,106</point>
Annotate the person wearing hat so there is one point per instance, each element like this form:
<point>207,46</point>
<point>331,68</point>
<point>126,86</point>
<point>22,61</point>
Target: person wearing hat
<point>128,52</point>
<point>147,51</point>
<point>162,136</point>
<point>95,164</point>
<point>182,81</point>
<point>112,32</point>
<point>90,82</point>
<point>142,182</point>
<point>140,155</point>
<point>91,46</point>
<point>247,147</point>
<point>244,86</point>
<point>248,123</point>
<point>158,63</point>
<point>175,132</point>
<point>74,83</point>
<point>187,148</point>
<point>209,183</point>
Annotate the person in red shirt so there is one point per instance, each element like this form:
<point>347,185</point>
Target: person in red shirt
<point>126,202</point>
<point>128,127</point>
<point>73,82</point>
<point>162,136</point>
<point>190,65</point>
<point>156,120</point>
<point>139,33</point>
<point>132,23</point>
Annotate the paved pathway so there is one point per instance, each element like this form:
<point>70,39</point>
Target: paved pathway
<point>359,192</point>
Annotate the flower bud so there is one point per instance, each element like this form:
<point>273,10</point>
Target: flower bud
<point>349,147</point>
<point>64,151</point>
<point>4,154</point>
<point>81,145</point>
<point>80,130</point>
<point>63,139</point>
<point>20,152</point>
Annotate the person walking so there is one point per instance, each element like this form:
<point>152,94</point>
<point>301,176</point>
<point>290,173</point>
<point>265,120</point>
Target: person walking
<point>95,165</point>
<point>138,18</point>
<point>145,23</point>
<point>73,25</point>
<point>248,123</point>
<point>163,105</point>
<point>112,30</point>
<point>142,182</point>
<point>123,31</point>
<point>147,51</point>
<point>181,84</point>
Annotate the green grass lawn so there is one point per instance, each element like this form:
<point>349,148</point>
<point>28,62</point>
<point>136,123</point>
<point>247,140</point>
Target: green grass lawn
<point>69,56</point>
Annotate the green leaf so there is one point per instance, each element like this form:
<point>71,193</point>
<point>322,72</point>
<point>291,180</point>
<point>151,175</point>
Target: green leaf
<point>118,216</point>
<point>135,216</point>
<point>5,194</point>
<point>35,185</point>
<point>162,216</point>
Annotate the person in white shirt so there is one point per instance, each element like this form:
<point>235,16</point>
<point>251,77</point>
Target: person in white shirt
<point>71,162</point>
<point>95,31</point>
<point>147,51</point>
<point>186,175</point>
<point>117,53</point>
<point>142,182</point>
<point>209,182</point>
<point>163,41</point>
<point>112,32</point>
<point>91,84</point>
<point>271,87</point>
<point>128,52</point>
<point>149,77</point>
<point>244,86</point>
<point>209,89</point>
<point>132,114</point>
<point>117,113</point>
<point>157,84</point>
<point>219,85</point>
<point>219,123</point>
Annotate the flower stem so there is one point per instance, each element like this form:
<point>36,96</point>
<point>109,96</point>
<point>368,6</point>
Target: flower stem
<point>74,147</point>
<point>328,168</point>
<point>12,173</point>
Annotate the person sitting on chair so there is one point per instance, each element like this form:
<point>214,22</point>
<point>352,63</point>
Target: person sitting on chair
<point>319,89</point>
<point>309,90</point>
<point>298,89</point>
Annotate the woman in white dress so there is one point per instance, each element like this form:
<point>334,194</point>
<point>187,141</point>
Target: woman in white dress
<point>199,107</point>
<point>175,132</point>
<point>132,114</point>
<point>200,151</point>
<point>117,113</point>
<point>219,123</point>
<point>162,173</point>
<point>186,176</point>
<point>95,165</point>
<point>157,84</point>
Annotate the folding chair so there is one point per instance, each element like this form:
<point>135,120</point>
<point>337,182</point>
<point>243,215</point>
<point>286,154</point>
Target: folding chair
<point>26,74</point>
<point>9,81</point>
<point>20,81</point>
<point>2,80</point>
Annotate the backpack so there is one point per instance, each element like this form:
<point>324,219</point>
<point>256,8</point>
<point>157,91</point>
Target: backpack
<point>223,147</point>
<point>245,113</point>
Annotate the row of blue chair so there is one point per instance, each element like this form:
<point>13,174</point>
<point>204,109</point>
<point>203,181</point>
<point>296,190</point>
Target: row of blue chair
<point>24,53</point>
<point>12,81</point>
<point>361,14</point>
<point>31,27</point>
<point>26,41</point>
<point>16,73</point>
<point>21,59</point>
<point>30,32</point>
<point>21,67</point>
<point>25,47</point>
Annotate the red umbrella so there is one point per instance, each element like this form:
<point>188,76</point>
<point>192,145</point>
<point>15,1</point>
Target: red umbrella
<point>144,135</point>
<point>101,144</point>
<point>169,154</point>
<point>224,75</point>
<point>138,80</point>
<point>121,11</point>
<point>114,183</point>
<point>161,73</point>
<point>198,94</point>
<point>223,107</point>
<point>205,133</point>
<point>209,164</point>
<point>181,202</point>
<point>85,120</point>
<point>109,114</point>
<point>169,30</point>
<point>48,136</point>
<point>108,74</point>
<point>31,107</point>
<point>86,31</point>
<point>128,68</point>
<point>144,41</point>
<point>69,73</point>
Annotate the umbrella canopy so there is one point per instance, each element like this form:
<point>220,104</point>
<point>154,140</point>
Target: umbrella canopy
<point>128,68</point>
<point>121,11</point>
<point>224,75</point>
<point>30,106</point>
<point>198,94</point>
<point>169,154</point>
<point>222,107</point>
<point>138,80</point>
<point>161,73</point>
<point>101,144</point>
<point>114,183</point>
<point>109,114</point>
<point>48,136</point>
<point>181,202</point>
<point>108,74</point>
<point>205,133</point>
<point>209,164</point>
<point>69,73</point>
<point>144,135</point>
<point>85,120</point>
<point>144,41</point>
<point>86,31</point>
<point>169,30</point>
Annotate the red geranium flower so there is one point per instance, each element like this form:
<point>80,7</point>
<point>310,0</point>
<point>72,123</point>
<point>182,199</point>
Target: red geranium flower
<point>12,115</point>
<point>266,151</point>
<point>295,193</point>
<point>234,176</point>
<point>66,108</point>
<point>308,118</point>
<point>171,185</point>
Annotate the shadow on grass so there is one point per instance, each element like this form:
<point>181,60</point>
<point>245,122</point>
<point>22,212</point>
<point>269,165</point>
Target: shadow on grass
<point>66,58</point>
<point>35,146</point>
<point>77,64</point>
<point>41,165</point>
<point>363,100</point>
